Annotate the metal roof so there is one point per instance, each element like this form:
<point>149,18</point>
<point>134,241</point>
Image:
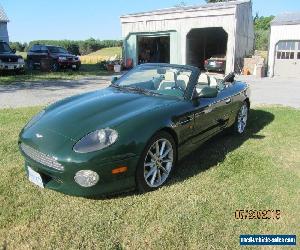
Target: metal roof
<point>209,6</point>
<point>3,16</point>
<point>287,18</point>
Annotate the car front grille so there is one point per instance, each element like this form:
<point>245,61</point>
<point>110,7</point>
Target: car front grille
<point>9,60</point>
<point>41,158</point>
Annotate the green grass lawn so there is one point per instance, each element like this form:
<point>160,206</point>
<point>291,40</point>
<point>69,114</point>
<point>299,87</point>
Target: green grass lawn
<point>36,75</point>
<point>260,170</point>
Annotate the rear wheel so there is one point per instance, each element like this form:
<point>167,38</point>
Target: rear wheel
<point>55,67</point>
<point>240,124</point>
<point>30,65</point>
<point>156,163</point>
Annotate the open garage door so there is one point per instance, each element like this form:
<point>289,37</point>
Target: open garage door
<point>287,59</point>
<point>153,49</point>
<point>205,43</point>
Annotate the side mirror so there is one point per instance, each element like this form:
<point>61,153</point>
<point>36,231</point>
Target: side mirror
<point>208,92</point>
<point>14,51</point>
<point>114,79</point>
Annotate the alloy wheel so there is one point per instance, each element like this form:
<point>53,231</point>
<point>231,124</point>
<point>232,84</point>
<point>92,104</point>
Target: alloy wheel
<point>158,163</point>
<point>242,118</point>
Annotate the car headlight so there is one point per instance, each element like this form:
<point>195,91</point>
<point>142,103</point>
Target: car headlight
<point>62,58</point>
<point>20,60</point>
<point>86,178</point>
<point>34,119</point>
<point>96,140</point>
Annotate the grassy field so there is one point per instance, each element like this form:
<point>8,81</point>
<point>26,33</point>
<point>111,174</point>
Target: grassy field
<point>102,54</point>
<point>36,75</point>
<point>23,54</point>
<point>260,170</point>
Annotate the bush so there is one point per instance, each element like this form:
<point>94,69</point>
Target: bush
<point>18,46</point>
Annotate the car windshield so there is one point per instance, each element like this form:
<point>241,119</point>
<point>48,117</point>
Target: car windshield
<point>5,49</point>
<point>57,50</point>
<point>164,80</point>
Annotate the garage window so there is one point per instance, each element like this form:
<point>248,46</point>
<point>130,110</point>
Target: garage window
<point>285,55</point>
<point>286,45</point>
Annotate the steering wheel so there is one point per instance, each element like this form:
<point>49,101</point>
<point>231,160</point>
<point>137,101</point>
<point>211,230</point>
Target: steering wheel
<point>178,87</point>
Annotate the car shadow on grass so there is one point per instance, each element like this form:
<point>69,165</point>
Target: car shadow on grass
<point>213,151</point>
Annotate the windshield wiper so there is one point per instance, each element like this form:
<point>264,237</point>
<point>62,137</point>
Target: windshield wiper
<point>136,89</point>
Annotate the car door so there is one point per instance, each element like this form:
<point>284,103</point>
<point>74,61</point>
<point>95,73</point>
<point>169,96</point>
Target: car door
<point>206,119</point>
<point>43,53</point>
<point>34,54</point>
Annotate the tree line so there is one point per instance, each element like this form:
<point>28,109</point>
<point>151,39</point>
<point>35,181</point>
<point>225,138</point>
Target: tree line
<point>75,47</point>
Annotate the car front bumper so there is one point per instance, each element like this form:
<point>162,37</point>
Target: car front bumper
<point>63,181</point>
<point>69,64</point>
<point>11,66</point>
<point>214,68</point>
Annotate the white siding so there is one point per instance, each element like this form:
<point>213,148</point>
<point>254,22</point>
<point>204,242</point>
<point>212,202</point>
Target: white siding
<point>3,32</point>
<point>281,33</point>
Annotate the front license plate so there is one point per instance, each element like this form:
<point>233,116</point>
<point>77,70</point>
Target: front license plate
<point>11,67</point>
<point>212,64</point>
<point>74,66</point>
<point>35,177</point>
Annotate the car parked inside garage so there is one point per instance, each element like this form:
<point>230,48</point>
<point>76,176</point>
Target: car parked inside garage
<point>9,61</point>
<point>215,63</point>
<point>54,57</point>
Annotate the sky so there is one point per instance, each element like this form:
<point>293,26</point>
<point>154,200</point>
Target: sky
<point>83,19</point>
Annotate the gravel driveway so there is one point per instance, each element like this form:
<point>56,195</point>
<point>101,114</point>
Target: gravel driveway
<point>264,91</point>
<point>282,91</point>
<point>43,93</point>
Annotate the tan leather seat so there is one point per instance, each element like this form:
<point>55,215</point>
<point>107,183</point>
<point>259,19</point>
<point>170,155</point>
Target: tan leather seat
<point>213,82</point>
<point>168,82</point>
<point>203,79</point>
<point>182,81</point>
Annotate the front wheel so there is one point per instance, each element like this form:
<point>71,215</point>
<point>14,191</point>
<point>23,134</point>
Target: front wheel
<point>156,163</point>
<point>241,120</point>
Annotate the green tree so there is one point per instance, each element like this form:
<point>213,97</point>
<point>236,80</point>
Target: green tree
<point>262,31</point>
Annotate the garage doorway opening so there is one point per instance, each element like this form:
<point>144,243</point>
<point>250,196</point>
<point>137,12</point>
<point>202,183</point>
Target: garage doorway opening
<point>205,43</point>
<point>153,49</point>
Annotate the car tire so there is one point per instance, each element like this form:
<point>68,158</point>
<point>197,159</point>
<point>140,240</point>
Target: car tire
<point>30,65</point>
<point>240,124</point>
<point>54,67</point>
<point>156,165</point>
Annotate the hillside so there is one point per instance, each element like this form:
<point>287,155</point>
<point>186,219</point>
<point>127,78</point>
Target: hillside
<point>107,52</point>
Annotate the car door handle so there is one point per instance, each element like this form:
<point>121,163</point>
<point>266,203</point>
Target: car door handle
<point>227,101</point>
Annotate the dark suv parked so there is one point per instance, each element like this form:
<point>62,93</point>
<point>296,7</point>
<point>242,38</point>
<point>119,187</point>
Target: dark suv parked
<point>57,58</point>
<point>8,60</point>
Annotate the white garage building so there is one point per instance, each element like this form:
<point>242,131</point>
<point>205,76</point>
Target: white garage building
<point>284,51</point>
<point>190,34</point>
<point>3,25</point>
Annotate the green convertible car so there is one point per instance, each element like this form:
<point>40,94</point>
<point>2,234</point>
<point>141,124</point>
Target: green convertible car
<point>131,134</point>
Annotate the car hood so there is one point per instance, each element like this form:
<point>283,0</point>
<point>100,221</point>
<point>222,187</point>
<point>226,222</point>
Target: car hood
<point>63,55</point>
<point>77,116</point>
<point>9,56</point>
